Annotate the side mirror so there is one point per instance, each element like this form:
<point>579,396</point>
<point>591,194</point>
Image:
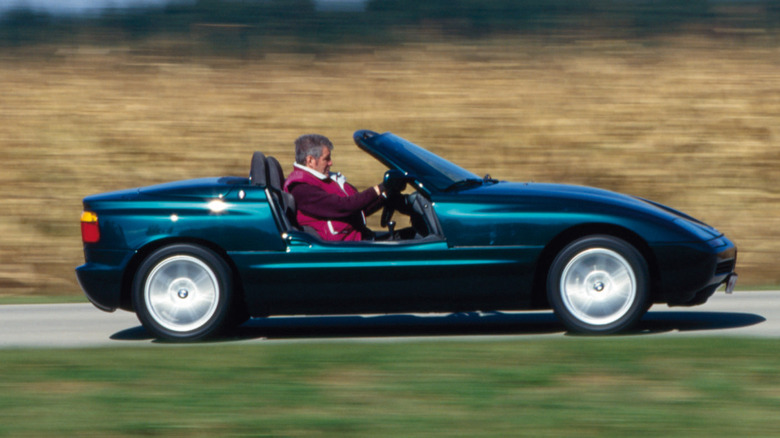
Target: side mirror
<point>395,180</point>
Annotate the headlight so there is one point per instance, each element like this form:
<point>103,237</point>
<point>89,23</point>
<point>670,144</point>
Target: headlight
<point>703,232</point>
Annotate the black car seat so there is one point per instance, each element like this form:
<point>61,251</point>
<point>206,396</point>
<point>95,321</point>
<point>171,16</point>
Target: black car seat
<point>284,200</point>
<point>257,173</point>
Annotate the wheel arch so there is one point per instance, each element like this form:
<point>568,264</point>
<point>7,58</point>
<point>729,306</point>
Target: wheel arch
<point>126,301</point>
<point>559,242</point>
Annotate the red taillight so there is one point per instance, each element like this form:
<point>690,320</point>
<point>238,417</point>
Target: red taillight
<point>90,231</point>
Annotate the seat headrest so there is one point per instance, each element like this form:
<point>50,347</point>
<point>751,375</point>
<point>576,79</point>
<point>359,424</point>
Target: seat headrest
<point>257,173</point>
<point>275,174</point>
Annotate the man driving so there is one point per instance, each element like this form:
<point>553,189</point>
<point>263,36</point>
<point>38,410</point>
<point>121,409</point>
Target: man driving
<point>325,201</point>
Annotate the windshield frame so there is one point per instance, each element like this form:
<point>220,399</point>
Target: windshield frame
<point>428,169</point>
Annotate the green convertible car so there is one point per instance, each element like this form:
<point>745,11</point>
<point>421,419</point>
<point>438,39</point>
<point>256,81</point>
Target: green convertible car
<point>192,258</point>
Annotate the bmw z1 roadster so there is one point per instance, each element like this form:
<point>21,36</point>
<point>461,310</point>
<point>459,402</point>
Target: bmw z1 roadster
<point>192,258</point>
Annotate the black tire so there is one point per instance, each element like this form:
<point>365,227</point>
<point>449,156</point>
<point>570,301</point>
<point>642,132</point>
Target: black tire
<point>183,292</point>
<point>598,285</point>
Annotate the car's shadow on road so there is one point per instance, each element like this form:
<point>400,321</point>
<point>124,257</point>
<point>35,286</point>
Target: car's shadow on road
<point>458,324</point>
<point>695,321</point>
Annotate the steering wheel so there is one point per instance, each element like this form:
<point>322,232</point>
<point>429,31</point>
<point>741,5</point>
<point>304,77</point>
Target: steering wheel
<point>395,183</point>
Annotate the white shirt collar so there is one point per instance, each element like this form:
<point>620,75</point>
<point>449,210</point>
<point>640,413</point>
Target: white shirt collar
<point>335,176</point>
<point>318,175</point>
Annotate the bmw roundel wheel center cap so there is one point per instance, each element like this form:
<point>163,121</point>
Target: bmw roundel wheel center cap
<point>183,288</point>
<point>599,284</point>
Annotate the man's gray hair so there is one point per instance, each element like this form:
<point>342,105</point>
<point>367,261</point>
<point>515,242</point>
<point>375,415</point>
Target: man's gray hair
<point>310,144</point>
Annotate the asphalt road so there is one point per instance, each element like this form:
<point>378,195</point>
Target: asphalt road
<point>755,314</point>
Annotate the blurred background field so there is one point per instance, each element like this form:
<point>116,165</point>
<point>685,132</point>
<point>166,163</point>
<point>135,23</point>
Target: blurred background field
<point>679,104</point>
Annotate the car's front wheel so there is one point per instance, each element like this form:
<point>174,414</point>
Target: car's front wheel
<point>182,292</point>
<point>598,285</point>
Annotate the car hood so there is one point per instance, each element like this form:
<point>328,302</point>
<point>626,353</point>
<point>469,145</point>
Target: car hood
<point>572,197</point>
<point>509,190</point>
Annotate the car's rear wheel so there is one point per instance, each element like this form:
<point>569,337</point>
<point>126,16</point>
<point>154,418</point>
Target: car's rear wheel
<point>598,285</point>
<point>182,292</point>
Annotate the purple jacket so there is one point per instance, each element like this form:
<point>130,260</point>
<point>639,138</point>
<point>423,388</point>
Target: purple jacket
<point>336,212</point>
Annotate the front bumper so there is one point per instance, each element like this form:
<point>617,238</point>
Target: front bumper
<point>691,273</point>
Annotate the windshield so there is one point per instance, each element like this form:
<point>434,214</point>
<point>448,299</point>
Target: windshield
<point>425,166</point>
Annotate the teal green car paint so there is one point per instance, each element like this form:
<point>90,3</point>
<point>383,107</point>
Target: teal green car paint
<point>479,244</point>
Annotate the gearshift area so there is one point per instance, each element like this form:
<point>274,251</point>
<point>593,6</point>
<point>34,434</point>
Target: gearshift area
<point>391,228</point>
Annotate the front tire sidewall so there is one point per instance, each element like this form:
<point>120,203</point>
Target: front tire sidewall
<point>181,274</point>
<point>575,290</point>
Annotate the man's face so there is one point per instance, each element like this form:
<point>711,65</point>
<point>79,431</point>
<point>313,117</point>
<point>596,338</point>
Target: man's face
<point>321,164</point>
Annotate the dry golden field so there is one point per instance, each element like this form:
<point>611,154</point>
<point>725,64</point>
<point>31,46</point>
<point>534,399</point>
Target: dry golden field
<point>689,121</point>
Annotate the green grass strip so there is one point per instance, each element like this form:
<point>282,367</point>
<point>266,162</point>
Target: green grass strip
<point>584,387</point>
<point>42,299</point>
